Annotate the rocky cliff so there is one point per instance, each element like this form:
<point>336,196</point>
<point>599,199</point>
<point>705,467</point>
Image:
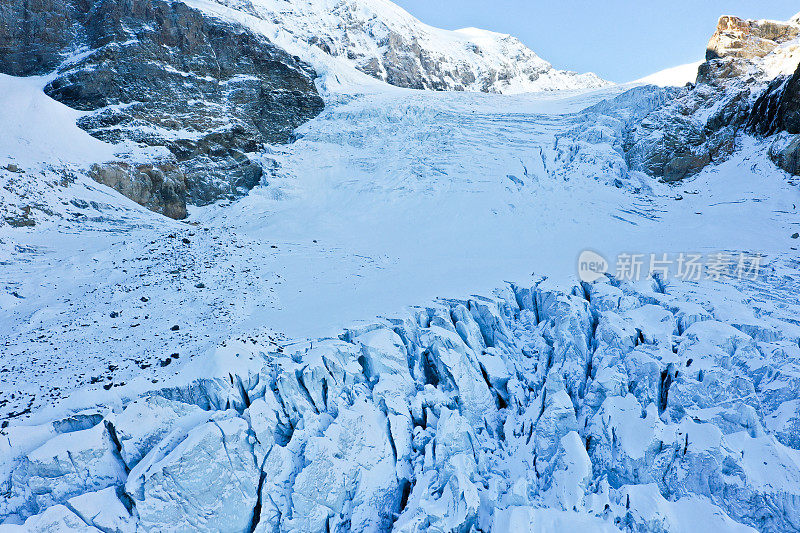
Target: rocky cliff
<point>776,115</point>
<point>748,63</point>
<point>748,85</point>
<point>735,37</point>
<point>206,92</point>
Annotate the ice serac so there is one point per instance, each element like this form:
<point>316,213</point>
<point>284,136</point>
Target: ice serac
<point>204,94</point>
<point>208,481</point>
<point>68,465</point>
<point>608,406</point>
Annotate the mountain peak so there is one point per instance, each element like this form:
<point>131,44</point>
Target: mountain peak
<point>385,42</point>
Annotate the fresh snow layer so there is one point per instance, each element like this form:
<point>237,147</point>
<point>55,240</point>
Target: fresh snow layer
<point>672,77</point>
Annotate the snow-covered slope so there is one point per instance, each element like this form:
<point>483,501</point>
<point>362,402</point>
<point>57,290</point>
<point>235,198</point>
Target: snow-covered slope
<point>228,372</point>
<point>45,158</point>
<point>392,198</point>
<point>672,77</point>
<point>38,130</point>
<point>382,40</point>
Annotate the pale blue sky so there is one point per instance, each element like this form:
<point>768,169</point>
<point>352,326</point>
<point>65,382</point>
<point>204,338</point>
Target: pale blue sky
<point>620,40</point>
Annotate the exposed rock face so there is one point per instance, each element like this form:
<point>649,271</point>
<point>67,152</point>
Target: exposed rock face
<point>162,74</point>
<point>742,87</point>
<point>384,41</point>
<point>408,61</point>
<point>159,187</point>
<point>672,144</point>
<point>656,131</point>
<point>735,37</point>
<point>778,108</point>
<point>785,152</point>
<point>34,36</point>
<point>700,125</point>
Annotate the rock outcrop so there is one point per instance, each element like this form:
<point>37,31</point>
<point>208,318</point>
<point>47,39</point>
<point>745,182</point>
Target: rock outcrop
<point>745,85</point>
<point>735,37</point>
<point>750,84</point>
<point>776,114</point>
<point>158,187</point>
<point>700,125</point>
<point>778,107</point>
<point>161,74</point>
<point>672,143</point>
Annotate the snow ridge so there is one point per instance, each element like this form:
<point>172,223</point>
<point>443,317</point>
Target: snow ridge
<point>382,40</point>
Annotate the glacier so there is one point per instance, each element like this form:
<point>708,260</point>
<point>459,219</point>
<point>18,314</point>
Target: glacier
<point>611,405</point>
<point>387,332</point>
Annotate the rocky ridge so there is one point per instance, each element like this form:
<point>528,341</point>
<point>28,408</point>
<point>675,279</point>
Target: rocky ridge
<point>201,95</point>
<point>382,40</point>
<point>747,86</point>
<point>748,39</point>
